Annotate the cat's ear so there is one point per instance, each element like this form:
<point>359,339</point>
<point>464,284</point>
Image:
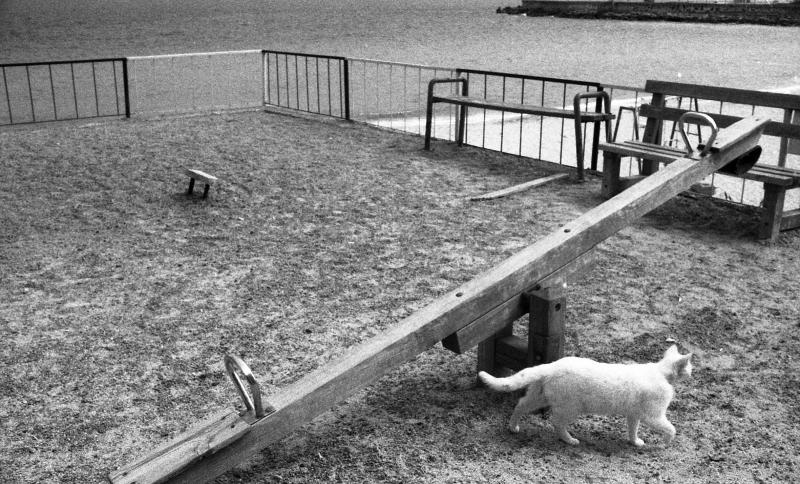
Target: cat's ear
<point>683,366</point>
<point>672,351</point>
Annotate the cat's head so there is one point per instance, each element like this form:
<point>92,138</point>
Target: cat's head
<point>678,366</point>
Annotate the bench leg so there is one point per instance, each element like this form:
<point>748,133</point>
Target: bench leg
<point>205,191</point>
<point>579,146</point>
<point>772,212</point>
<point>191,186</point>
<point>428,119</point>
<point>611,167</point>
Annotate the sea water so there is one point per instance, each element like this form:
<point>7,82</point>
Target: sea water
<point>451,33</point>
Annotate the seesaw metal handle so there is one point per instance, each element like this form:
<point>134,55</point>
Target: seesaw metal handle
<point>235,365</point>
<point>698,118</point>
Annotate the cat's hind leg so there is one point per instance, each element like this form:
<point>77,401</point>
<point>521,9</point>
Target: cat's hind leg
<point>533,400</point>
<point>633,431</point>
<point>561,420</point>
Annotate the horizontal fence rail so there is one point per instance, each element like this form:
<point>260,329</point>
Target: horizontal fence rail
<point>56,91</point>
<point>310,83</point>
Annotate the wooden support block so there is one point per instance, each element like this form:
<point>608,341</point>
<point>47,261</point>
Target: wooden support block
<point>546,327</point>
<point>790,219</point>
<point>487,351</point>
<point>202,177</point>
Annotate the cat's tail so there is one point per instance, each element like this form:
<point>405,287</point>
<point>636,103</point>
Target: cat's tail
<point>517,381</point>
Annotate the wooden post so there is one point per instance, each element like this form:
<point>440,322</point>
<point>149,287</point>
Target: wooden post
<point>546,327</point>
<point>190,459</point>
<point>487,351</point>
<point>772,212</point>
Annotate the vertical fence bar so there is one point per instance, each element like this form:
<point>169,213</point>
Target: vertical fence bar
<point>485,84</point>
<point>278,78</point>
<point>126,88</point>
<point>308,98</point>
<point>116,86</point>
<point>52,91</point>
<point>30,92</point>
<point>346,74</point>
<point>328,70</point>
<point>521,101</point>
<point>264,79</point>
<point>94,86</point>
<point>8,98</point>
<point>541,123</point>
<point>319,107</point>
<point>296,83</point>
<point>74,91</point>
<point>503,115</point>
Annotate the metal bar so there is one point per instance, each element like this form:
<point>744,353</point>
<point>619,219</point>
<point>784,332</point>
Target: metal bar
<point>278,78</point>
<point>8,98</point>
<point>503,116</point>
<point>116,86</point>
<point>126,87</point>
<point>330,109</point>
<point>288,90</point>
<point>346,87</point>
<point>308,99</point>
<point>296,84</point>
<point>522,101</point>
<point>30,92</point>
<point>391,112</point>
<point>532,78</point>
<point>561,139</point>
<point>541,123</point>
<point>319,108</point>
<point>405,98</point>
<point>94,85</point>
<point>62,62</point>
<point>53,92</point>
<point>485,87</point>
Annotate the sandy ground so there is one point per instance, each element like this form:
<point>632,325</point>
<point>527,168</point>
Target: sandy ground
<point>120,296</point>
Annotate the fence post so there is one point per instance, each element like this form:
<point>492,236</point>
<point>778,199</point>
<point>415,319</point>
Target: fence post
<point>126,87</point>
<point>346,75</point>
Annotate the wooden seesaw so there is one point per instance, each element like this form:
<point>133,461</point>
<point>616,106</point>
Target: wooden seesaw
<point>477,311</point>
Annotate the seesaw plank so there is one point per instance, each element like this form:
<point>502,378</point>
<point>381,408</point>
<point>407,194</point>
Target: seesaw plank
<point>325,387</point>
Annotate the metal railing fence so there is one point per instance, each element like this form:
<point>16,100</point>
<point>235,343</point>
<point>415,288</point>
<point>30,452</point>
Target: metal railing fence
<point>35,92</point>
<point>393,95</point>
<point>317,84</point>
<point>389,95</point>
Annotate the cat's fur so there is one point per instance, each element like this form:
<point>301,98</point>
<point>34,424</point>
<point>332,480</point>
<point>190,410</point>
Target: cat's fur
<point>573,386</point>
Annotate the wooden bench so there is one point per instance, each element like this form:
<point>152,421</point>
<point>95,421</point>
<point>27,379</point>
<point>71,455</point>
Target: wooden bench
<point>579,115</point>
<point>200,176</point>
<point>775,176</point>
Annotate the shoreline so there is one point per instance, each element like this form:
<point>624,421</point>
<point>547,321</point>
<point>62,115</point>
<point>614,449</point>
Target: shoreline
<point>786,14</point>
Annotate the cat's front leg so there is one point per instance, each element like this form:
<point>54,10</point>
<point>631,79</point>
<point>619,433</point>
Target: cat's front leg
<point>664,426</point>
<point>633,431</point>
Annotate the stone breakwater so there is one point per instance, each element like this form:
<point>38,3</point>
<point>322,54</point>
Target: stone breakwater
<point>765,14</point>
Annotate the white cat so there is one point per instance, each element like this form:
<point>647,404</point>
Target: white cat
<point>573,386</point>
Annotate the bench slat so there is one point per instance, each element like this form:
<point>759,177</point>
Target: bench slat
<point>477,102</point>
<point>725,94</point>
<point>773,128</point>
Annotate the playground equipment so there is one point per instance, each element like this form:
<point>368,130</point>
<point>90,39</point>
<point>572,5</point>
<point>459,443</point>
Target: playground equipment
<point>479,311</point>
